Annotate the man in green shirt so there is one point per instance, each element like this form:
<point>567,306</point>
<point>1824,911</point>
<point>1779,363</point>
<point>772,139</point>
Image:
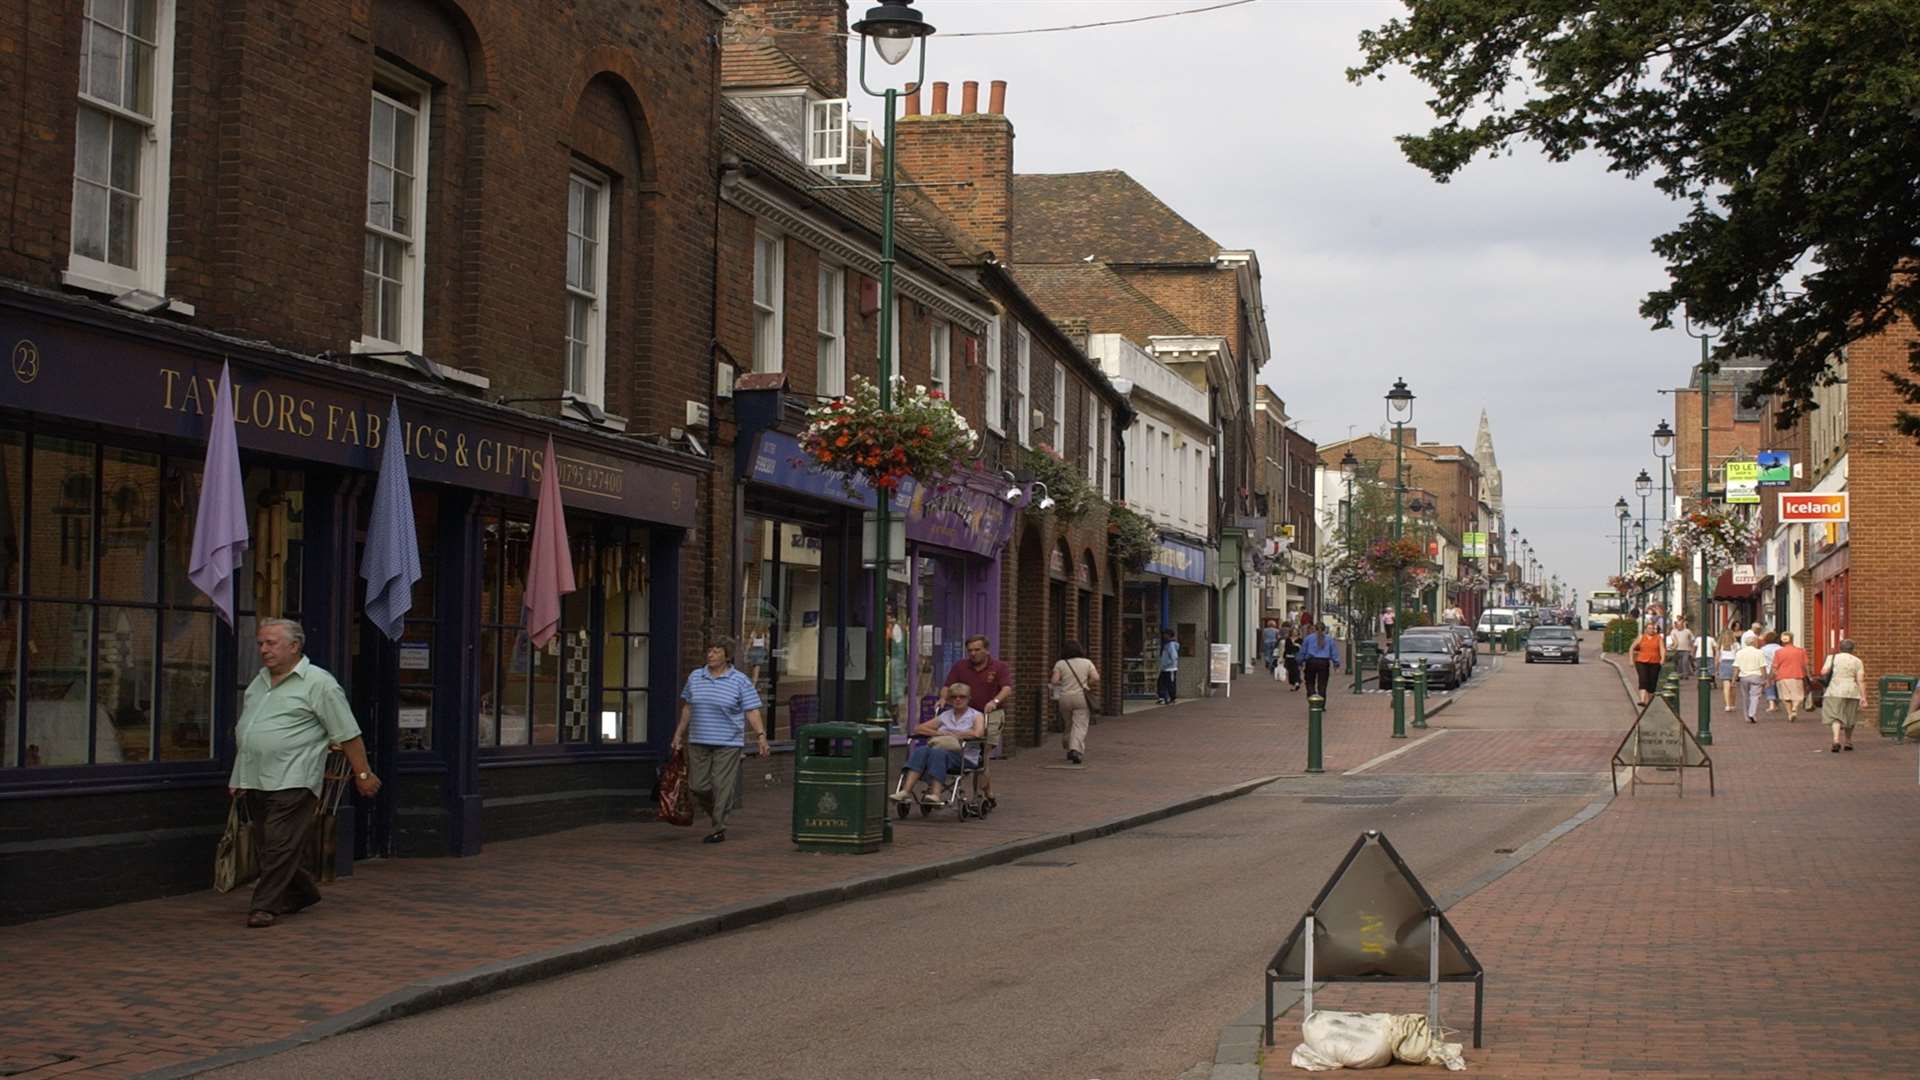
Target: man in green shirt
<point>293,713</point>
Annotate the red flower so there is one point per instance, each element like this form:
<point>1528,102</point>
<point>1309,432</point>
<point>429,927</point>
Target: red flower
<point>926,432</point>
<point>935,395</point>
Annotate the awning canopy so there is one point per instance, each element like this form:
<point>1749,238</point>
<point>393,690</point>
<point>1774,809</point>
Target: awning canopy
<point>1725,589</point>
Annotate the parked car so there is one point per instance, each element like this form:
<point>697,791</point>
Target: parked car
<point>1446,664</point>
<point>1553,643</point>
<point>1466,637</point>
<point>1494,622</point>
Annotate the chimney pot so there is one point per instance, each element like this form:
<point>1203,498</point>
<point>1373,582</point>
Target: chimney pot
<point>969,97</point>
<point>997,101</point>
<point>913,99</point>
<point>939,99</point>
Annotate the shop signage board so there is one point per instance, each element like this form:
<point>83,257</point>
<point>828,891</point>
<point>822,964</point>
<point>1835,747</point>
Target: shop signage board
<point>1473,545</point>
<point>1819,507</point>
<point>1220,666</point>
<point>1174,559</point>
<point>1776,467</point>
<point>322,411</point>
<point>1743,483</point>
<point>1745,574</point>
<point>953,515</point>
<point>1660,742</point>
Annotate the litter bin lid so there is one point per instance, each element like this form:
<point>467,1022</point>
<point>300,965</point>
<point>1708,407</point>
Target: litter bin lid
<point>837,729</point>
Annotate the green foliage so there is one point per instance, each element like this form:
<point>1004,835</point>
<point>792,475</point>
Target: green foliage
<point>1073,497</point>
<point>1131,538</point>
<point>1620,635</point>
<point>1786,129</point>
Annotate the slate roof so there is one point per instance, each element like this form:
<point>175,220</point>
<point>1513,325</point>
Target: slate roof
<point>1094,292</point>
<point>1065,217</point>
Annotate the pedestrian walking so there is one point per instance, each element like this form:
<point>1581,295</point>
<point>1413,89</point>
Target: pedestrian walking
<point>1649,653</point>
<point>1729,648</point>
<point>1319,654</point>
<point>718,707</point>
<point>1750,667</point>
<point>990,683</point>
<point>1290,659</point>
<point>1769,645</point>
<point>1680,647</point>
<point>1790,675</point>
<point>1752,635</point>
<point>1270,635</point>
<point>1169,688</point>
<point>1074,681</point>
<point>293,712</point>
<point>1846,679</point>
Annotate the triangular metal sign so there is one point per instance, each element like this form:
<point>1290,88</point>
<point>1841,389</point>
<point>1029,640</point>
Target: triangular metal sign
<point>1372,919</point>
<point>1658,738</point>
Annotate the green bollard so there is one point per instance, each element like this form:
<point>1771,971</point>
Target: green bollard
<point>1399,702</point>
<point>1420,694</point>
<point>1316,709</point>
<point>1703,729</point>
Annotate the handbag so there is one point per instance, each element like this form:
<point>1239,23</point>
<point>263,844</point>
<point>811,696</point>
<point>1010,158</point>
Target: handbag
<point>235,862</point>
<point>672,798</point>
<point>945,742</point>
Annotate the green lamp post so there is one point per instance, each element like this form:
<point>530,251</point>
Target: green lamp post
<point>1350,465</point>
<point>1399,412</point>
<point>892,28</point>
<point>1663,449</point>
<point>1620,511</point>
<point>1704,726</point>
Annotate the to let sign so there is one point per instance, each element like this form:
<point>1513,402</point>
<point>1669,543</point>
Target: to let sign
<point>1822,507</point>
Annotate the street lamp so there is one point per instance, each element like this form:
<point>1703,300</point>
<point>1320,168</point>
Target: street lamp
<point>892,28</point>
<point>1349,466</point>
<point>1513,547</point>
<point>1703,727</point>
<point>1399,411</point>
<point>1621,511</point>
<point>1643,487</point>
<point>1663,449</point>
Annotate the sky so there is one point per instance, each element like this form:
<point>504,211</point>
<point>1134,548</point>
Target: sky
<point>1513,288</point>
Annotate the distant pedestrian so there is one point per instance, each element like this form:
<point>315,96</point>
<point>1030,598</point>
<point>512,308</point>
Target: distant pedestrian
<point>1074,681</point>
<point>1770,645</point>
<point>1790,675</point>
<point>1169,688</point>
<point>1846,679</point>
<point>1729,648</point>
<point>1649,652</point>
<point>1290,659</point>
<point>292,713</point>
<point>1270,635</point>
<point>1750,667</point>
<point>1319,655</point>
<point>1752,635</point>
<point>718,707</point>
<point>1680,647</point>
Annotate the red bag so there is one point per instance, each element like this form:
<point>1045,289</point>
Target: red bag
<point>672,794</point>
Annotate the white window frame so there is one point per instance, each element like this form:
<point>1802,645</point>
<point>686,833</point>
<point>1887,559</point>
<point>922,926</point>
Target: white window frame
<point>770,265</point>
<point>1106,443</point>
<point>594,367</point>
<point>827,132</point>
<point>1022,386</point>
<point>1086,421</point>
<point>940,356</point>
<point>996,406</point>
<point>830,327</point>
<point>859,163</point>
<point>413,263</point>
<point>1059,416</point>
<point>149,269</point>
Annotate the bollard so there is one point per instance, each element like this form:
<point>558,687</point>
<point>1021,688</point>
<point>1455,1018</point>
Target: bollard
<point>1420,694</point>
<point>1316,709</point>
<point>1399,702</point>
<point>1359,669</point>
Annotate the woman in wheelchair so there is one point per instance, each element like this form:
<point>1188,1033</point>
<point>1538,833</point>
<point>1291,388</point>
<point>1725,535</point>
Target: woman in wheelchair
<point>939,755</point>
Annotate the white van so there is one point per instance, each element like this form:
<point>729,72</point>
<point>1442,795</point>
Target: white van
<point>1494,622</point>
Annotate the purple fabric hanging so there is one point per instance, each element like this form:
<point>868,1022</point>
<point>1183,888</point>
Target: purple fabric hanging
<point>391,562</point>
<point>220,526</point>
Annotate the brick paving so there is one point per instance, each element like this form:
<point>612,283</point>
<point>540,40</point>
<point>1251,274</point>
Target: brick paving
<point>121,990</point>
<point>1768,932</point>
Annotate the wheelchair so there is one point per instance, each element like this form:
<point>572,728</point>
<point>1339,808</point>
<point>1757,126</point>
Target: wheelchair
<point>962,787</point>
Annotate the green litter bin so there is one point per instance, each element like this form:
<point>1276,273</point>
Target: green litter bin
<point>1896,693</point>
<point>1513,638</point>
<point>840,787</point>
<point>1365,661</point>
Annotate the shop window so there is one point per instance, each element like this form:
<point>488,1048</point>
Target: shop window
<point>118,646</point>
<point>786,626</point>
<point>417,659</point>
<point>627,642</point>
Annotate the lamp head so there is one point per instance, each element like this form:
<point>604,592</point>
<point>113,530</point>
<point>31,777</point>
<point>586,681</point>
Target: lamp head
<point>1045,501</point>
<point>1642,484</point>
<point>893,27</point>
<point>1348,463</point>
<point>1662,440</point>
<point>1399,402</point>
<point>1014,493</point>
<point>1620,504</point>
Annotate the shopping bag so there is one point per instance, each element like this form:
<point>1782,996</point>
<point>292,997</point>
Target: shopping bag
<point>234,861</point>
<point>671,794</point>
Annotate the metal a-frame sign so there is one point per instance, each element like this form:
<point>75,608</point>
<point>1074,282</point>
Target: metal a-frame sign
<point>1659,741</point>
<point>1374,922</point>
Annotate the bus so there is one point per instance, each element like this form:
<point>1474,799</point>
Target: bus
<point>1604,606</point>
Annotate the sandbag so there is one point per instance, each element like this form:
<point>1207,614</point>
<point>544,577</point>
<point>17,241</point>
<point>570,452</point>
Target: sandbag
<point>1344,1040</point>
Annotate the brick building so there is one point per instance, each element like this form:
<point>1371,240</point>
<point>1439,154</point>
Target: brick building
<point>1737,430</point>
<point>1293,579</point>
<point>501,223</point>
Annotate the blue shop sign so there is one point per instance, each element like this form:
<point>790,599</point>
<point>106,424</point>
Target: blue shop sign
<point>778,460</point>
<point>1174,559</point>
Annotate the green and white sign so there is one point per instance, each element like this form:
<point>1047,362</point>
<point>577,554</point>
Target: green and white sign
<point>1743,482</point>
<point>1474,545</point>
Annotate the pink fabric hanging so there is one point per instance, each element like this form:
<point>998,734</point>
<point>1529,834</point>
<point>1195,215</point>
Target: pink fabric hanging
<point>550,564</point>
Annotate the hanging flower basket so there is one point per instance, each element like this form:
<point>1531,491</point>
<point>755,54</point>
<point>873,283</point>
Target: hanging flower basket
<point>921,437</point>
<point>1385,556</point>
<point>1131,540</point>
<point>1723,536</point>
<point>1663,562</point>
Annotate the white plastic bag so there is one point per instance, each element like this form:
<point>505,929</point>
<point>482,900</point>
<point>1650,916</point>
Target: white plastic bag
<point>1344,1040</point>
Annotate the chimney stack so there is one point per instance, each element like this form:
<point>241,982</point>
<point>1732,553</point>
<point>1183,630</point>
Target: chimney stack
<point>973,148</point>
<point>997,100</point>
<point>913,100</point>
<point>939,99</point>
<point>969,98</point>
<point>812,32</point>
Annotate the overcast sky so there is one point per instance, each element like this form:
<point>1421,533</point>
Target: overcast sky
<point>1514,288</point>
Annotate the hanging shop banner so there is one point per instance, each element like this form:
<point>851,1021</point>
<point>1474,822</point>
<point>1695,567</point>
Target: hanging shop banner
<point>1743,482</point>
<point>1186,562</point>
<point>1822,507</point>
<point>1776,467</point>
<point>1473,545</point>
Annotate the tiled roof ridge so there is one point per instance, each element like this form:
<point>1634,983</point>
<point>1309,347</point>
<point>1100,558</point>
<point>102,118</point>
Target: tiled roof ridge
<point>1166,230</point>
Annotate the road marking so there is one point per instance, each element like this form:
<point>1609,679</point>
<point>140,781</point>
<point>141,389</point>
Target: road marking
<point>1391,754</point>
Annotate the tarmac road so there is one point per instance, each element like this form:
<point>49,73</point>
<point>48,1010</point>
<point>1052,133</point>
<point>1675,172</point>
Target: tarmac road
<point>1116,959</point>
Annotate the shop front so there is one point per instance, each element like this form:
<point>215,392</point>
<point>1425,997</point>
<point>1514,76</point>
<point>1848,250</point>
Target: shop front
<point>1172,592</point>
<point>120,686</point>
<point>803,564</point>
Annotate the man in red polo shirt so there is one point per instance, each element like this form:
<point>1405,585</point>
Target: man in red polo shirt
<point>991,682</point>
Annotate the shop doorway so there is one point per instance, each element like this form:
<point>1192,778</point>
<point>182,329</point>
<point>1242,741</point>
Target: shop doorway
<point>790,624</point>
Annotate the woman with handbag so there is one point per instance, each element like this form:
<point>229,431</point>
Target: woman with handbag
<point>1074,681</point>
<point>1846,687</point>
